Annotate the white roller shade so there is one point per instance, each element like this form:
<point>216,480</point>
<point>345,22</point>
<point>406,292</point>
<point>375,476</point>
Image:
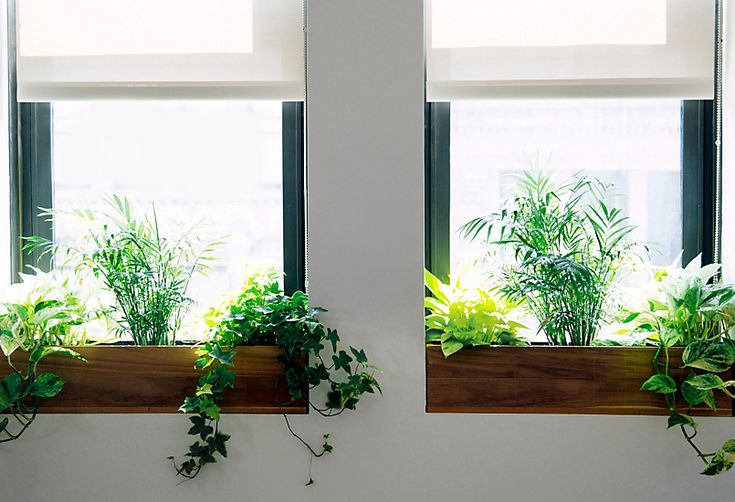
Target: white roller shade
<point>569,48</point>
<point>85,49</point>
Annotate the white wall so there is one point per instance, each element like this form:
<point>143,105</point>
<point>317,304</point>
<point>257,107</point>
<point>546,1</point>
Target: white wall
<point>365,262</point>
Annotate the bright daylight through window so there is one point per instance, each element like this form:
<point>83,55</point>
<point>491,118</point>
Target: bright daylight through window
<point>214,162</point>
<point>635,145</point>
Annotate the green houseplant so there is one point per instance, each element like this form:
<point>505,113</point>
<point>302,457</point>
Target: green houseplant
<point>147,272</point>
<point>691,309</point>
<point>42,315</point>
<point>459,316</point>
<point>260,314</point>
<point>569,246</point>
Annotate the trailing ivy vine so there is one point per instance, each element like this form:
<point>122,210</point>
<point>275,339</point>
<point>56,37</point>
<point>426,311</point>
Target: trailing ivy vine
<point>262,315</point>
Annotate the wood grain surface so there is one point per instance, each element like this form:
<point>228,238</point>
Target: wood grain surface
<point>543,379</point>
<point>129,379</point>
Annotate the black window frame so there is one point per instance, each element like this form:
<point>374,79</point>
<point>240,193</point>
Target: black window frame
<point>698,184</point>
<point>32,181</point>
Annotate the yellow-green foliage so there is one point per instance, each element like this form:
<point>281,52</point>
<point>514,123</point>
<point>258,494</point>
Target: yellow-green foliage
<point>462,316</point>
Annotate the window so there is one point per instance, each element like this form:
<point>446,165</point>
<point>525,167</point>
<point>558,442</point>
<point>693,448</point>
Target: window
<point>221,162</point>
<point>652,151</point>
<point>206,127</point>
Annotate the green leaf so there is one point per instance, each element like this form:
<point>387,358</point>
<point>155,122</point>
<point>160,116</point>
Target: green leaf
<point>205,389</point>
<point>342,361</point>
<point>12,386</point>
<point>451,346</point>
<point>436,287</point>
<point>708,356</point>
<point>729,446</point>
<point>217,443</point>
<point>332,337</point>
<point>681,419</point>
<point>191,404</point>
<point>46,385</point>
<point>720,463</point>
<point>4,400</point>
<point>693,395</point>
<point>223,356</point>
<point>326,446</point>
<point>360,356</point>
<point>200,427</point>
<point>212,411</point>
<point>706,381</point>
<point>40,352</point>
<point>661,383</point>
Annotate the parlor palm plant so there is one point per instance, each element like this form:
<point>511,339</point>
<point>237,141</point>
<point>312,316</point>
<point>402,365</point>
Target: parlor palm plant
<point>147,272</point>
<point>569,245</point>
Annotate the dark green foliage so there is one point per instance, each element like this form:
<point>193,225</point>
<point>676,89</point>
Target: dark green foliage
<point>568,245</point>
<point>262,315</point>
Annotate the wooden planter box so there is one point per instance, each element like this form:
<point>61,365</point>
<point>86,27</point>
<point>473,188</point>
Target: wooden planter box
<point>542,379</point>
<point>129,379</point>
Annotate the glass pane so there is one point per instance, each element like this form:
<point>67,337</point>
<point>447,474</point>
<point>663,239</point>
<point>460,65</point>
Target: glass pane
<point>214,160</point>
<point>634,144</point>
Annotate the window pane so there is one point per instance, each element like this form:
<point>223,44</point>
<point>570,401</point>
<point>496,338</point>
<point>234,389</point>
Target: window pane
<point>216,160</point>
<point>634,144</point>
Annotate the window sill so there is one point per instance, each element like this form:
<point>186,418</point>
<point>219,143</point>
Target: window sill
<point>132,379</point>
<point>555,380</point>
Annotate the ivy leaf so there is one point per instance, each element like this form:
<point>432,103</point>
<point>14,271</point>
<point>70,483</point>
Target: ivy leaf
<point>708,356</point>
<point>223,356</point>
<point>360,356</point>
<point>217,443</point>
<point>204,390</point>
<point>200,427</point>
<point>46,385</point>
<point>661,383</point>
<point>211,410</point>
<point>326,446</point>
<point>191,404</point>
<point>334,399</point>
<point>188,466</point>
<point>342,361</point>
<point>720,463</point>
<point>681,419</point>
<point>332,337</point>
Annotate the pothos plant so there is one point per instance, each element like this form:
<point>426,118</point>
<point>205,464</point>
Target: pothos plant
<point>460,315</point>
<point>569,246</point>
<point>693,310</point>
<point>38,315</point>
<point>262,315</point>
